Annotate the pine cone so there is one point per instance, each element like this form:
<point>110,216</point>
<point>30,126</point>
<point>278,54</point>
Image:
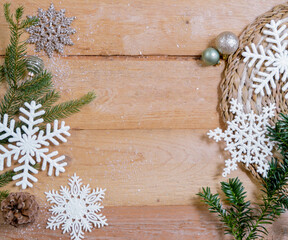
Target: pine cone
<point>19,208</point>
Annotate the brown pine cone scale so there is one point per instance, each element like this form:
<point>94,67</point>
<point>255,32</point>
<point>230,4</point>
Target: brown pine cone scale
<point>19,208</point>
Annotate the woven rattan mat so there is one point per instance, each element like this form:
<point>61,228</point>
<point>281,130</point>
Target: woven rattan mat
<point>237,79</point>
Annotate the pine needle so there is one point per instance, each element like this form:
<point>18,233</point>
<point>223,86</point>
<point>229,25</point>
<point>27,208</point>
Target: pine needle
<point>66,109</point>
<point>245,222</point>
<point>6,178</point>
<point>3,194</point>
<point>22,89</point>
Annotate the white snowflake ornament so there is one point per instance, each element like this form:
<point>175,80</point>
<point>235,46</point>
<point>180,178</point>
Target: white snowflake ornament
<point>271,64</point>
<point>52,31</point>
<point>76,208</point>
<point>28,144</point>
<point>246,138</point>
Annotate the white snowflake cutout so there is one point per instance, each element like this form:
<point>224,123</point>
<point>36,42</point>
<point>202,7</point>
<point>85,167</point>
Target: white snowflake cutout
<point>271,64</point>
<point>76,209</point>
<point>246,138</point>
<point>28,144</point>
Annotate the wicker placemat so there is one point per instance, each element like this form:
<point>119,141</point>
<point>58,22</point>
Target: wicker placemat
<point>238,77</point>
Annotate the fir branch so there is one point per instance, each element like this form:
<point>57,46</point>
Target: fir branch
<point>245,222</point>
<point>49,99</point>
<point>215,206</point>
<point>237,218</point>
<point>6,178</point>
<point>66,109</point>
<point>279,133</point>
<point>40,88</point>
<point>240,210</point>
<point>3,194</point>
<point>274,198</point>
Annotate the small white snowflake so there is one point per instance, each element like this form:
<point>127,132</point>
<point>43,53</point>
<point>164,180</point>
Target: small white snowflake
<point>28,145</point>
<point>246,138</point>
<point>76,209</point>
<point>52,31</point>
<point>271,64</point>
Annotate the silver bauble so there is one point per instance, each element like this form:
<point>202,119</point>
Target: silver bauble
<point>227,43</point>
<point>34,65</point>
<point>210,56</point>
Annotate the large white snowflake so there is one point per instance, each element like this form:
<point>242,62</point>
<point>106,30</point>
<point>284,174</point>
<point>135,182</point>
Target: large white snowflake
<point>76,209</point>
<point>271,64</point>
<point>246,138</point>
<point>52,31</point>
<point>28,144</point>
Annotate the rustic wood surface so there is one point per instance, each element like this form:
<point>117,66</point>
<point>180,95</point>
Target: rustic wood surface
<point>144,137</point>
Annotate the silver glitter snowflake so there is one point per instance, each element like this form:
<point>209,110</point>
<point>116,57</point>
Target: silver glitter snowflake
<point>246,138</point>
<point>52,31</point>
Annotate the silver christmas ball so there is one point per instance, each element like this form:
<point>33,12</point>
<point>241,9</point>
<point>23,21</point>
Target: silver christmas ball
<point>34,65</point>
<point>227,43</point>
<point>210,56</point>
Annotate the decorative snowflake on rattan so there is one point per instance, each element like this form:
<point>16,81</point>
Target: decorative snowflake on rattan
<point>246,138</point>
<point>271,64</point>
<point>76,209</point>
<point>28,142</point>
<point>52,31</point>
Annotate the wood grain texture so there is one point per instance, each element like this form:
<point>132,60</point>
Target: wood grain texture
<point>133,223</point>
<point>140,93</point>
<point>138,223</point>
<point>144,137</point>
<point>142,167</point>
<point>158,27</point>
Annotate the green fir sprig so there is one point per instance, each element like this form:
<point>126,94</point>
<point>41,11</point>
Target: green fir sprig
<point>240,219</point>
<point>279,134</point>
<point>20,89</point>
<point>40,88</point>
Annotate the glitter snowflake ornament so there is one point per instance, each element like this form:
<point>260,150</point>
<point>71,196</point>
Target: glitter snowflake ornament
<point>26,144</point>
<point>246,138</point>
<point>52,31</point>
<point>76,209</point>
<point>271,64</point>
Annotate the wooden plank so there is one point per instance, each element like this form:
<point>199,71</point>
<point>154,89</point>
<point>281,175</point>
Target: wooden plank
<point>139,93</point>
<point>143,167</point>
<point>137,223</point>
<point>170,222</point>
<point>122,27</point>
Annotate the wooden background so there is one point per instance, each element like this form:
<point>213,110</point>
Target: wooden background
<point>144,137</point>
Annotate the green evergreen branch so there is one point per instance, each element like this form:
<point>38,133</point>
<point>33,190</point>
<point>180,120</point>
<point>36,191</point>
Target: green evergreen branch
<point>279,133</point>
<point>22,89</point>
<point>66,109</point>
<point>215,206</point>
<point>40,88</point>
<point>6,177</point>
<point>240,210</point>
<point>3,194</point>
<point>245,222</point>
<point>49,99</point>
